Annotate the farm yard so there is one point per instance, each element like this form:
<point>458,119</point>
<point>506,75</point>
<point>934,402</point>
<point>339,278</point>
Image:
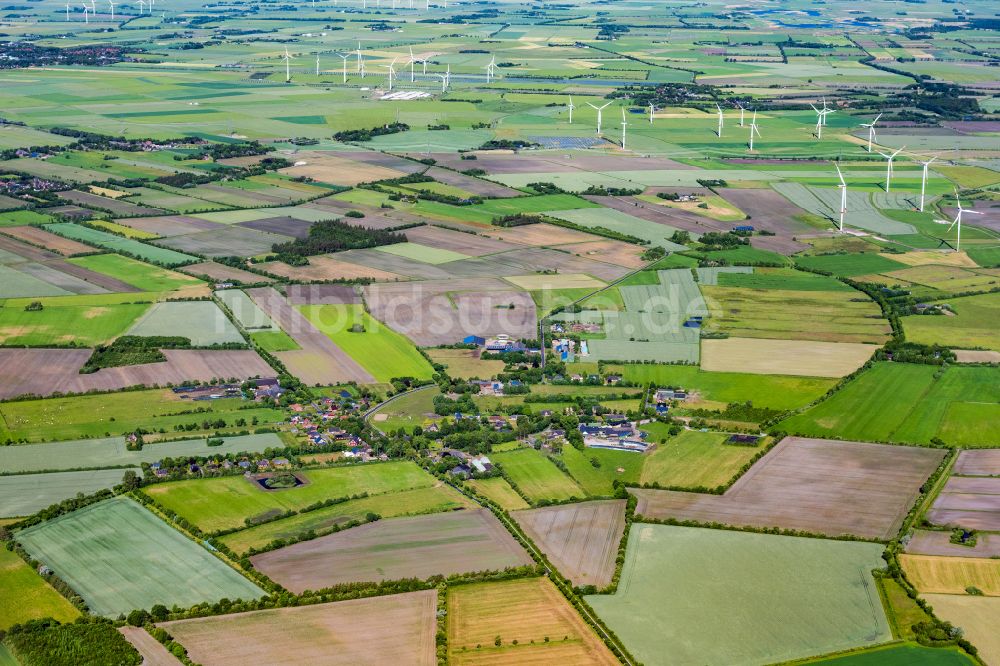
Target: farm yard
<point>801,484</point>
<point>798,597</point>
<point>396,548</point>
<point>118,556</point>
<point>227,502</point>
<point>395,629</point>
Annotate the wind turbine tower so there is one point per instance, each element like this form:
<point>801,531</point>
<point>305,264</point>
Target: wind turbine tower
<point>871,131</point>
<point>843,196</point>
<point>288,66</point>
<point>345,57</point>
<point>753,129</point>
<point>600,110</point>
<point>923,181</point>
<point>624,125</point>
<point>570,106</point>
<point>958,221</point>
<point>889,167</point>
<point>719,131</point>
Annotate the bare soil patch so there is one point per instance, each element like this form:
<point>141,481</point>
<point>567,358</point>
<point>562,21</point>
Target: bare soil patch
<point>394,630</point>
<point>969,502</point>
<point>978,462</point>
<point>539,235</point>
<point>321,294</point>
<point>581,540</point>
<point>47,371</point>
<point>815,485</point>
<point>396,548</point>
<point>39,236</point>
<point>457,241</point>
<point>223,273</point>
<point>325,267</point>
<point>152,651</point>
<point>170,225</point>
<point>608,251</point>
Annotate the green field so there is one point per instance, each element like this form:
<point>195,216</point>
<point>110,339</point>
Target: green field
<point>24,595</point>
<point>407,412</point>
<point>973,326</point>
<point>84,325</point>
<point>432,499</point>
<point>797,597</point>
<point>25,494</point>
<point>78,417</point>
<point>906,654</point>
<point>424,253</point>
<point>536,476</point>
<point>226,502</point>
<point>497,489</point>
<point>771,391</point>
<point>274,341</point>
<point>850,265</point>
<point>144,251</point>
<point>202,322</point>
<point>781,278</point>
<point>693,459</point>
<point>895,402</point>
<point>136,273</point>
<point>377,348</point>
<point>599,479</point>
<point>111,452</point>
<point>118,556</point>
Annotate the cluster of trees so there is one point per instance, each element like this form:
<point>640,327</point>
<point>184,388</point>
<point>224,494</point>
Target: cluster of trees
<point>368,134</point>
<point>715,240</point>
<point>132,350</point>
<point>332,236</point>
<point>518,220</point>
<point>89,640</point>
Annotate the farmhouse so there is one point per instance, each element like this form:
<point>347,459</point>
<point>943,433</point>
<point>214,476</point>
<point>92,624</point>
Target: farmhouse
<point>620,437</point>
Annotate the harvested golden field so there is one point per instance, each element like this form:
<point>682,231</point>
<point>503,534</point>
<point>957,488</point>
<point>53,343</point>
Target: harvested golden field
<point>608,251</point>
<point>327,168</point>
<point>531,612</point>
<point>933,257</point>
<point>804,358</point>
<point>465,363</point>
<point>555,281</point>
<point>395,630</point>
<point>952,575</point>
<point>979,618</point>
<point>541,234</point>
<point>827,316</point>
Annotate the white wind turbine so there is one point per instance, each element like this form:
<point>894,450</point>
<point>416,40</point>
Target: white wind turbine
<point>958,221</point>
<point>288,66</point>
<point>571,106</point>
<point>67,11</point>
<point>317,64</point>
<point>889,168</point>
<point>843,196</point>
<point>820,118</point>
<point>491,71</point>
<point>112,3</point>
<point>86,14</point>
<point>624,125</point>
<point>923,181</point>
<point>871,131</point>
<point>392,71</point>
<point>444,81</point>
<point>413,60</point>
<point>719,131</point>
<point>753,129</point>
<point>345,57</point>
<point>652,109</point>
<point>741,113</point>
<point>142,7</point>
<point>600,110</point>
<point>359,57</point>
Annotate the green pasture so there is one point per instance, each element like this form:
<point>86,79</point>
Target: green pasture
<point>112,452</point>
<point>26,494</point>
<point>226,502</point>
<point>599,479</point>
<point>780,392</point>
<point>434,499</point>
<point>781,278</point>
<point>973,326</point>
<point>118,556</point>
<point>83,325</point>
<point>136,273</point>
<point>657,235</point>
<point>497,490</point>
<point>407,412</point>
<point>850,265</point>
<point>693,458</point>
<point>26,596</point>
<point>902,654</point>
<point>377,348</point>
<point>104,415</point>
<point>911,404</point>
<point>424,253</point>
<point>536,476</point>
<point>798,597</point>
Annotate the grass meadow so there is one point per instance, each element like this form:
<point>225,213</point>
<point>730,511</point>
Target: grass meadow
<point>895,402</point>
<point>136,273</point>
<point>227,502</point>
<point>84,325</point>
<point>536,476</point>
<point>377,348</point>
<point>103,415</point>
<point>797,597</point>
<point>118,556</point>
<point>26,596</point>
